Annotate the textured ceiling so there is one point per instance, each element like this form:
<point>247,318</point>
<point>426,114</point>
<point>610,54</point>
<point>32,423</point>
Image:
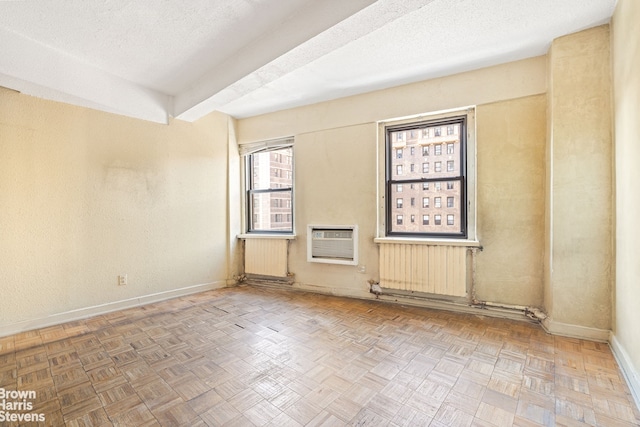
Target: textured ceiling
<point>155,59</point>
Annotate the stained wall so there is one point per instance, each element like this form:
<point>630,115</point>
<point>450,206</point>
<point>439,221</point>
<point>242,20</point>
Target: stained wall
<point>87,196</point>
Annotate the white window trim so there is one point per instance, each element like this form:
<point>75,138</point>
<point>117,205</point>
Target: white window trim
<point>471,176</point>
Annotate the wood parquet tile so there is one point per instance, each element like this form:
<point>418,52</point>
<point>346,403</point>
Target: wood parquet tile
<point>254,356</point>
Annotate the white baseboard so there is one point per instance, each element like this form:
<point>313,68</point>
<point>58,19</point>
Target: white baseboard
<point>629,371</point>
<point>575,331</point>
<point>83,313</point>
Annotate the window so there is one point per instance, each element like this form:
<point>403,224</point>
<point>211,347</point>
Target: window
<point>399,203</point>
<point>413,218</point>
<point>413,167</point>
<point>269,188</point>
<point>413,201</point>
<point>399,188</point>
<point>449,165</point>
<point>444,182</point>
<point>399,153</point>
<point>413,151</point>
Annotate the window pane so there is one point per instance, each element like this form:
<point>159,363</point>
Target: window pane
<point>272,169</point>
<point>438,209</point>
<point>441,142</point>
<point>271,211</point>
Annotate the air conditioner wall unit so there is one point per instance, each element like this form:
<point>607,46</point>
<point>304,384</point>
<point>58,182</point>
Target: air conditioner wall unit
<point>332,244</point>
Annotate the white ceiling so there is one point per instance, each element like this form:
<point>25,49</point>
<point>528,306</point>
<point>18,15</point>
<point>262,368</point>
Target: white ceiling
<point>155,59</point>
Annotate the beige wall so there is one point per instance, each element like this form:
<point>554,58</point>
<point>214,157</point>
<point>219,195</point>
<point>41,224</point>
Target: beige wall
<point>626,79</point>
<point>502,82</point>
<point>86,196</point>
<point>511,200</point>
<point>580,184</point>
<point>336,177</point>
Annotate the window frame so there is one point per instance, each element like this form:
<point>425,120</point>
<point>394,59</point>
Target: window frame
<point>467,176</point>
<point>248,154</point>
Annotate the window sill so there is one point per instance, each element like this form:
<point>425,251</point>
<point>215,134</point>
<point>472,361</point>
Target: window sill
<point>267,236</point>
<point>429,242</point>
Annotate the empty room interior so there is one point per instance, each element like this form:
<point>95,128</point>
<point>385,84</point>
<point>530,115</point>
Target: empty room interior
<point>292,213</point>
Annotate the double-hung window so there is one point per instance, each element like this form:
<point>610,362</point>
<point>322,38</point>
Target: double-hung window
<point>447,183</point>
<point>269,186</point>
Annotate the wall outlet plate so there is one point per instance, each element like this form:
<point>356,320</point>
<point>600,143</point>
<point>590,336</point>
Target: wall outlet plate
<point>122,280</point>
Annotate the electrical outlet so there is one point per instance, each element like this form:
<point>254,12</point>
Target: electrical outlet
<point>122,280</point>
<point>362,268</point>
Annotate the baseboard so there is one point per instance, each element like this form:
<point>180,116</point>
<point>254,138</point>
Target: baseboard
<point>626,366</point>
<point>575,331</point>
<point>458,307</point>
<point>422,302</point>
<point>333,291</point>
<point>83,313</point>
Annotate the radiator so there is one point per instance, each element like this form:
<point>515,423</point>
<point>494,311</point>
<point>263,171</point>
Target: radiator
<point>266,257</point>
<point>438,270</point>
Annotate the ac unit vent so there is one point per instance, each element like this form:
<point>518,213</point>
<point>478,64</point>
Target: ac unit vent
<point>332,244</point>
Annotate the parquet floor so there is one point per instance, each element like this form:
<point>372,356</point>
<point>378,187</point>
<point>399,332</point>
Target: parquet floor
<point>249,356</point>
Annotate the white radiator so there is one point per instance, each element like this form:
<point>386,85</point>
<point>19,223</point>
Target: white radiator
<point>266,257</point>
<point>438,270</point>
